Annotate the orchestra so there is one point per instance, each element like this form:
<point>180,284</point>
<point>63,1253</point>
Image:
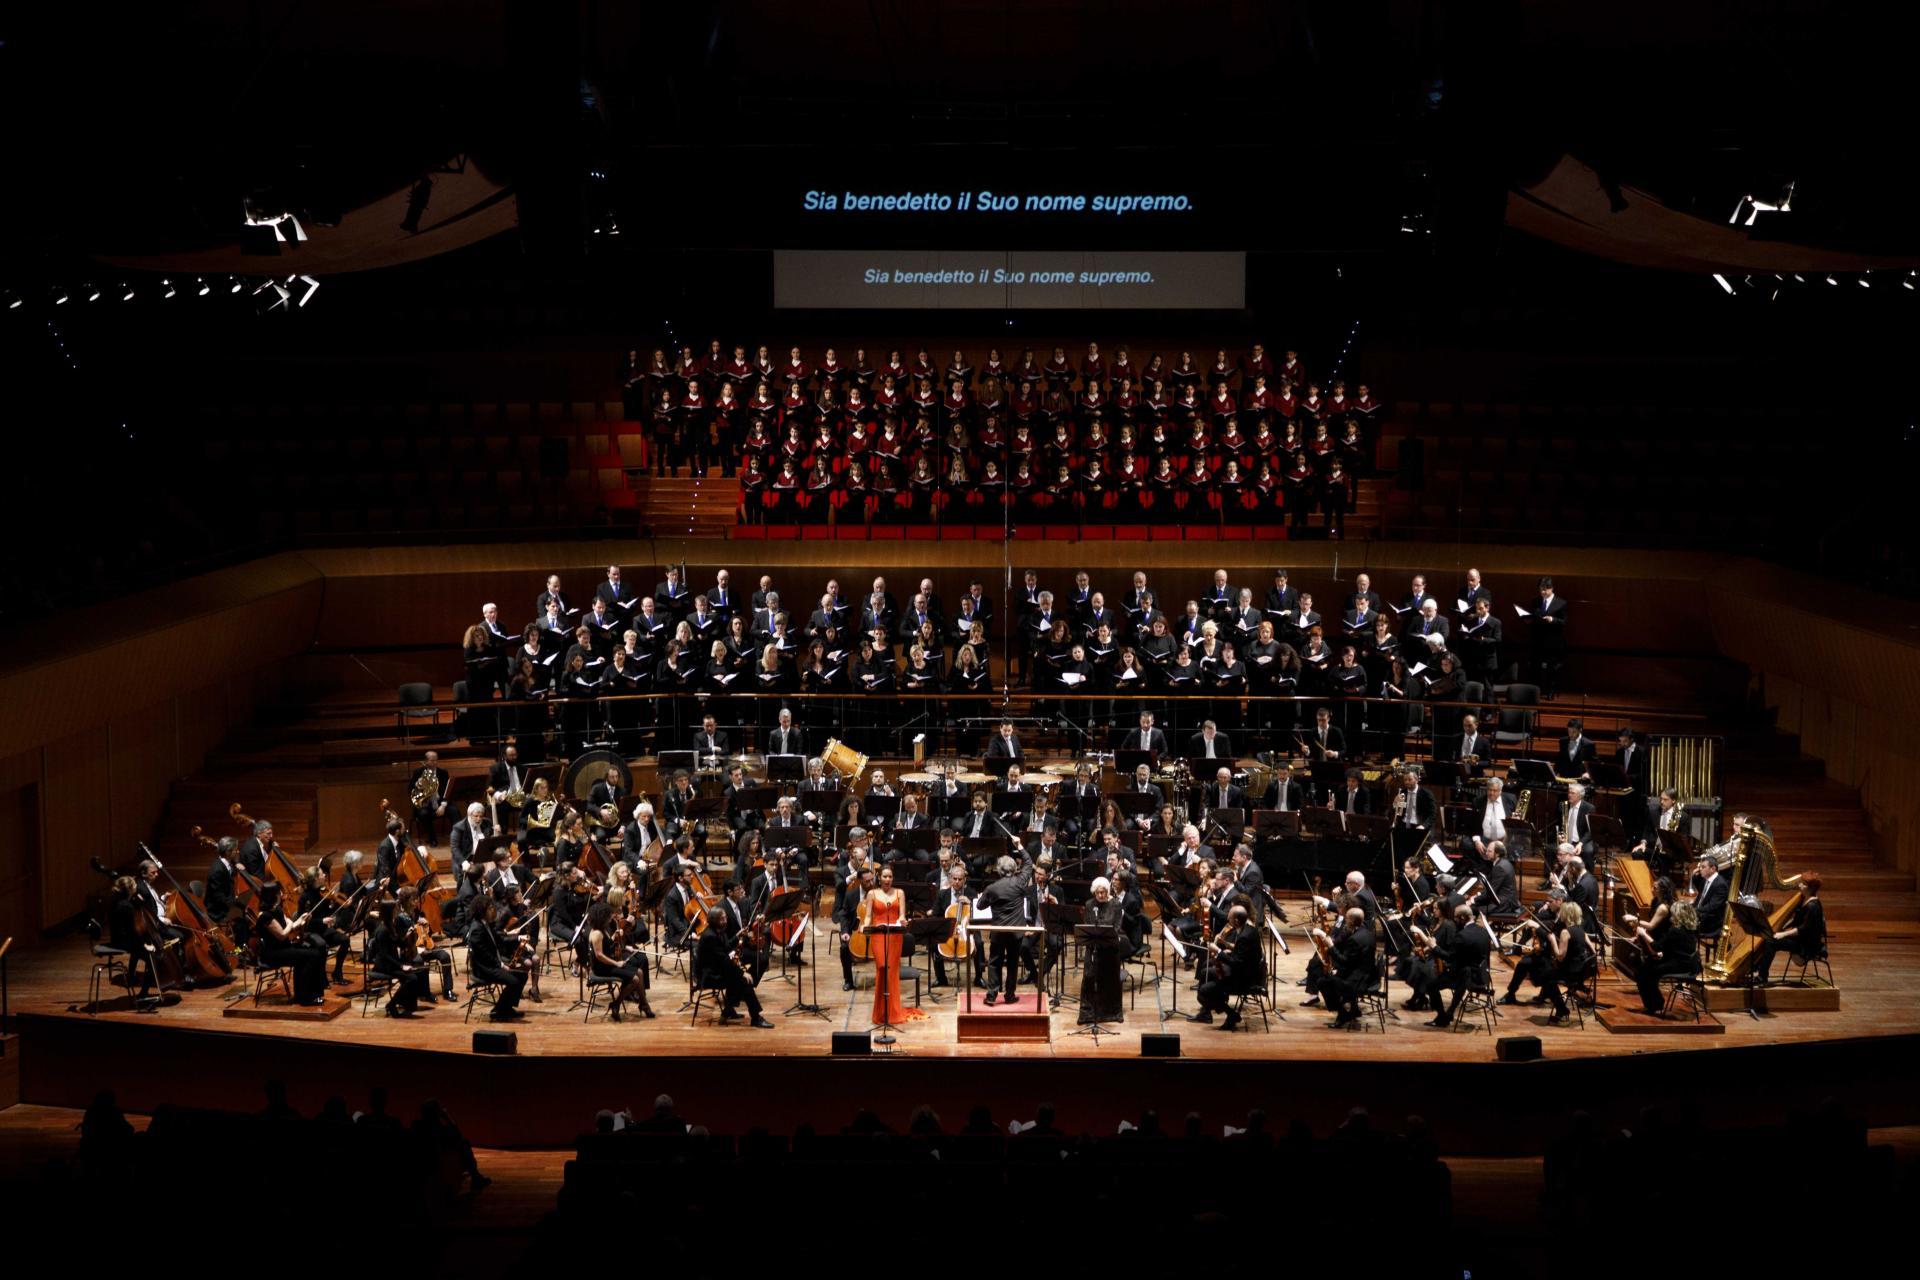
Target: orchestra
<point>1156,775</point>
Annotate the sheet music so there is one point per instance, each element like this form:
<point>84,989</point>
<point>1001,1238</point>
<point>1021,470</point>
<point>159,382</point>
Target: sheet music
<point>1518,611</point>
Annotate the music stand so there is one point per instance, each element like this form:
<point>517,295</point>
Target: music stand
<point>881,809</point>
<point>1126,762</point>
<point>1132,803</point>
<point>929,932</point>
<point>1327,824</point>
<point>1530,772</point>
<point>786,768</point>
<point>671,762</point>
<point>1329,776</point>
<point>1752,915</point>
<point>1271,824</point>
<point>789,903</point>
<point>884,1028</point>
<point>918,840</point>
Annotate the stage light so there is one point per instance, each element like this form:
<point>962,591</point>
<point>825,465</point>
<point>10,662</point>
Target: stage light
<point>128,295</point>
<point>94,296</point>
<point>1865,283</point>
<point>236,284</point>
<point>169,287</point>
<point>1832,281</point>
<point>13,301</point>
<point>61,296</point>
<point>313,287</point>
<point>205,288</point>
<point>1722,282</point>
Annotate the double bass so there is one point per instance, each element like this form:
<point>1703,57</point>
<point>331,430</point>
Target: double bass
<point>169,971</point>
<point>412,868</point>
<point>205,950</point>
<point>279,866</point>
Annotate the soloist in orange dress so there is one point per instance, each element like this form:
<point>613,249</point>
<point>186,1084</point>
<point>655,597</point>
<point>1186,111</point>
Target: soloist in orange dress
<point>887,948</point>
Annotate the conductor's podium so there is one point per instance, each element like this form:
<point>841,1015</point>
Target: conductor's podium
<point>1024,1018</point>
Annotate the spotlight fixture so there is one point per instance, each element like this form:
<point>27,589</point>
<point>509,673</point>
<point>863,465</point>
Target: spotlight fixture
<point>1865,283</point>
<point>14,300</point>
<point>128,295</point>
<point>204,287</point>
<point>1831,280</point>
<point>236,284</point>
<point>60,296</point>
<point>1723,282</point>
<point>94,296</point>
<point>313,287</point>
<point>169,287</point>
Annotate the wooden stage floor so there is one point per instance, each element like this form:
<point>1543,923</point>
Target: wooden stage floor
<point>190,1052</point>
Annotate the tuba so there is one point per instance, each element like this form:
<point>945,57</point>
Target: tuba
<point>426,792</point>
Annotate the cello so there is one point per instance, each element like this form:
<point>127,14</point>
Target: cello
<point>412,868</point>
<point>169,972</point>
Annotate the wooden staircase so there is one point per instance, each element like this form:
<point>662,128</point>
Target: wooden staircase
<point>202,800</point>
<point>685,506</point>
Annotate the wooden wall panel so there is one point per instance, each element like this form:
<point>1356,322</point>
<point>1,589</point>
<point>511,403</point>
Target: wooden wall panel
<point>76,799</point>
<point>144,760</point>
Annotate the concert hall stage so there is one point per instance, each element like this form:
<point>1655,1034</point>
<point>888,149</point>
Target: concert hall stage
<point>565,1069</point>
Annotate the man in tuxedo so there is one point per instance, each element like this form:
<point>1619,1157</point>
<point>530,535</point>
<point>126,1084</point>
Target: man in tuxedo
<point>955,891</point>
<point>1354,796</point>
<point>982,605</point>
<point>763,594</point>
<point>552,595</point>
<point>1223,794</point>
<point>1416,809</point>
<point>760,625</point>
<point>1005,745</point>
<point>1549,639</point>
<point>1575,757</point>
<point>1480,640</point>
<point>1146,737</point>
<point>1474,592</point>
<point>1490,819</point>
<point>1502,894</point>
<point>1474,749</point>
<point>252,856</point>
<point>608,789</point>
<point>618,597</point>
<point>1219,599</point>
<point>1325,741</point>
<point>1209,743</point>
<point>642,834</point>
<point>1353,968</point>
<point>1358,620</point>
<point>1004,902</point>
<point>671,594</point>
<point>648,627</point>
<point>1582,887</point>
<point>785,740</point>
<point>1363,593</point>
<point>1286,795</point>
<point>426,816</point>
<point>505,776</point>
<point>1281,598</point>
<point>219,895</point>
<point>918,612</point>
<point>1632,758</point>
<point>721,598</point>
<point>1240,970</point>
<point>979,822</point>
<point>1143,784</point>
<point>1467,954</point>
<point>1417,595</point>
<point>463,845</point>
<point>1250,881</point>
<point>1427,633</point>
<point>708,740</point>
<point>1580,821</point>
<point>706,624</point>
<point>717,970</point>
<point>674,800</point>
<point>910,818</point>
<point>1095,614</point>
<point>1710,898</point>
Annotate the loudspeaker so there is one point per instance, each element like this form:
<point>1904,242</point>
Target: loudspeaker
<point>1156,1045</point>
<point>497,1042</point>
<point>1517,1048</point>
<point>852,1044</point>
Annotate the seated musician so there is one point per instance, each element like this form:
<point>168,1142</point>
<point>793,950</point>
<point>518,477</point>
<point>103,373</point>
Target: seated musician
<point>717,969</point>
<point>317,903</point>
<point>123,933</point>
<point>1238,966</point>
<point>1495,810</point>
<point>596,952</point>
<point>1557,956</point>
<point>1468,951</point>
<point>852,883</point>
<point>1805,937</point>
<point>388,954</point>
<point>1502,894</point>
<point>675,913</point>
<point>407,919</point>
<point>1665,816</point>
<point>1710,897</point>
<point>954,891</point>
<point>1354,968</point>
<point>1677,952</point>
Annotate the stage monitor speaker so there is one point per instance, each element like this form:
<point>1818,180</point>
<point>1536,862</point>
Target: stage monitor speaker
<point>496,1042</point>
<point>852,1044</point>
<point>1156,1045</point>
<point>1517,1048</point>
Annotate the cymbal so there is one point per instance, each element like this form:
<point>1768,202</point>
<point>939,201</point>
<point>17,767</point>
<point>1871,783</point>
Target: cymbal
<point>1063,769</point>
<point>972,779</point>
<point>1044,780</point>
<point>920,779</point>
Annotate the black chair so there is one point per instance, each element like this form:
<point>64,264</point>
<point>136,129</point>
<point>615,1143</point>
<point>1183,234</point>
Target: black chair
<point>107,961</point>
<point>1583,991</point>
<point>1260,1000</point>
<point>1480,999</point>
<point>1515,726</point>
<point>1684,991</point>
<point>1814,964</point>
<point>415,705</point>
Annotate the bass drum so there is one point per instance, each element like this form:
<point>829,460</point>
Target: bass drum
<point>588,768</point>
<point>844,760</point>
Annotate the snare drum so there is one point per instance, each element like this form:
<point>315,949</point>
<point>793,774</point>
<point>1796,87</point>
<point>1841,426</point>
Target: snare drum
<point>844,760</point>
